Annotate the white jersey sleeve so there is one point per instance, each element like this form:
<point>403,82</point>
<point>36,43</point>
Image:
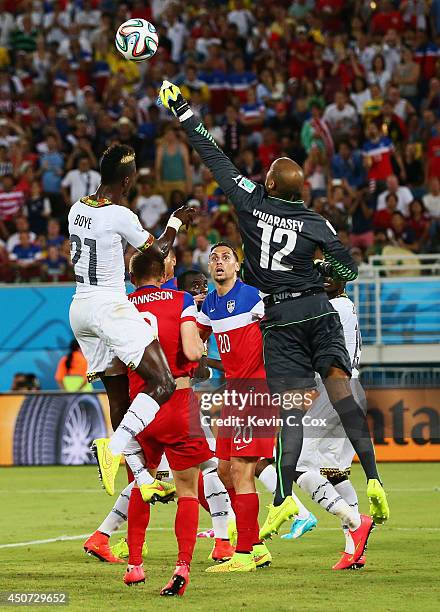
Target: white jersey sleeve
<point>353,341</point>
<point>128,226</point>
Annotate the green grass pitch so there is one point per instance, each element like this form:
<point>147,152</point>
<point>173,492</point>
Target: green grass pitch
<point>403,560</point>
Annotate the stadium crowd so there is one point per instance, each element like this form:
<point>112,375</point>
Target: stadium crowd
<point>349,89</point>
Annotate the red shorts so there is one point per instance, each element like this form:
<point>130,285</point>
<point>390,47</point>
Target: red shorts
<point>176,431</point>
<point>244,439</point>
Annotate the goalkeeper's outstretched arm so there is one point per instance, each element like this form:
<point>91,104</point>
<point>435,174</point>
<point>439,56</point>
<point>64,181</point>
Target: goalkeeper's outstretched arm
<point>237,187</point>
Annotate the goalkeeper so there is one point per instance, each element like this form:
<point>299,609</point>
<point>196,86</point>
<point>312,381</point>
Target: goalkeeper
<point>301,330</point>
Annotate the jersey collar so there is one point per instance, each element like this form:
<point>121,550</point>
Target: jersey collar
<point>220,297</point>
<point>99,203</point>
<point>148,287</point>
<point>297,202</point>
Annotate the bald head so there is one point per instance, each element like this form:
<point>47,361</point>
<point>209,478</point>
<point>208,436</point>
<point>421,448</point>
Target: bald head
<point>285,179</point>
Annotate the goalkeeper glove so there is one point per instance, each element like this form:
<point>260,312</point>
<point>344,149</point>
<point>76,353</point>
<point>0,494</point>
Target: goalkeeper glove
<point>324,268</point>
<point>171,97</point>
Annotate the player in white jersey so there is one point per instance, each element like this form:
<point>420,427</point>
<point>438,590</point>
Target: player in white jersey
<point>327,454</point>
<point>111,332</point>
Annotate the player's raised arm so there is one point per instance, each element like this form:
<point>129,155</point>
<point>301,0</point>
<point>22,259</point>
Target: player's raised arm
<point>338,263</point>
<point>130,228</point>
<point>237,187</point>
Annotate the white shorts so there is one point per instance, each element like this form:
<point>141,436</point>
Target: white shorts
<point>332,449</point>
<point>108,325</point>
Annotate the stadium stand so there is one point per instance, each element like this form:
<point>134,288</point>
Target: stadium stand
<point>350,91</point>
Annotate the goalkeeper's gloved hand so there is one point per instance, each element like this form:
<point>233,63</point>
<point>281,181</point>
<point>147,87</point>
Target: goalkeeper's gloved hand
<point>324,268</point>
<point>171,97</point>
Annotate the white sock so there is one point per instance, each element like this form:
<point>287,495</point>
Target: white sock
<point>269,479</point>
<point>347,491</point>
<point>217,498</point>
<point>135,458</point>
<point>118,514</point>
<point>303,512</point>
<point>142,411</point>
<point>324,494</point>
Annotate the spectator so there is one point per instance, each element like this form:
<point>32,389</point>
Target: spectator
<point>201,253</point>
<point>11,203</point>
<point>149,205</point>
<point>403,194</point>
<point>26,258</point>
<point>81,182</point>
<point>54,237</point>
<point>406,75</point>
<point>431,200</point>
<point>361,211</point>
<point>71,372</point>
<point>316,132</point>
<point>316,171</point>
<point>6,167</point>
<point>173,170</point>
<point>51,166</point>
<point>340,116</point>
<point>360,94</point>
<point>378,154</point>
<point>233,131</point>
<point>400,235</point>
<point>347,164</point>
<point>378,74</point>
<point>382,218</point>
<point>414,170</point>
<point>54,265</point>
<point>419,222</point>
<point>250,166</point>
<point>37,209</point>
<point>186,262</point>
<point>22,225</point>
<point>433,153</point>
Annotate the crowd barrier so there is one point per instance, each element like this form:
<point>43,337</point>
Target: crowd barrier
<point>57,428</point>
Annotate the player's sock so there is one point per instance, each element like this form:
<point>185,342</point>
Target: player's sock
<point>324,494</point>
<point>118,514</point>
<point>142,411</point>
<point>355,425</point>
<point>138,519</point>
<point>269,478</point>
<point>246,512</point>
<point>347,491</point>
<point>201,493</point>
<point>135,459</point>
<point>185,527</point>
<point>290,440</point>
<point>232,497</point>
<point>217,499</point>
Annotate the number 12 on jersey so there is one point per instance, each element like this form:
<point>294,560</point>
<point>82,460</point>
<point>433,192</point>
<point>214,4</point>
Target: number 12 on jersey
<point>269,235</point>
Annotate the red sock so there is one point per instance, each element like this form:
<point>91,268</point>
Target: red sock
<point>232,496</point>
<point>185,527</point>
<point>256,538</point>
<point>246,513</point>
<point>129,473</point>
<point>201,493</point>
<point>138,519</point>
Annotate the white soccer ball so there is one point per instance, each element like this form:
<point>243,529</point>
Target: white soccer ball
<point>137,40</point>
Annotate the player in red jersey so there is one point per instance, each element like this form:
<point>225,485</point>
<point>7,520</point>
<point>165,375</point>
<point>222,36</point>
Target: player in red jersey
<point>232,311</point>
<point>176,429</point>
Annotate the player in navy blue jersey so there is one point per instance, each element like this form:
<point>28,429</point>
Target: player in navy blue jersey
<point>301,330</point>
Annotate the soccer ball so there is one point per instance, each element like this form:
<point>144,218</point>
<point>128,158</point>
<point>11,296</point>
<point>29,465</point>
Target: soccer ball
<point>137,40</point>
